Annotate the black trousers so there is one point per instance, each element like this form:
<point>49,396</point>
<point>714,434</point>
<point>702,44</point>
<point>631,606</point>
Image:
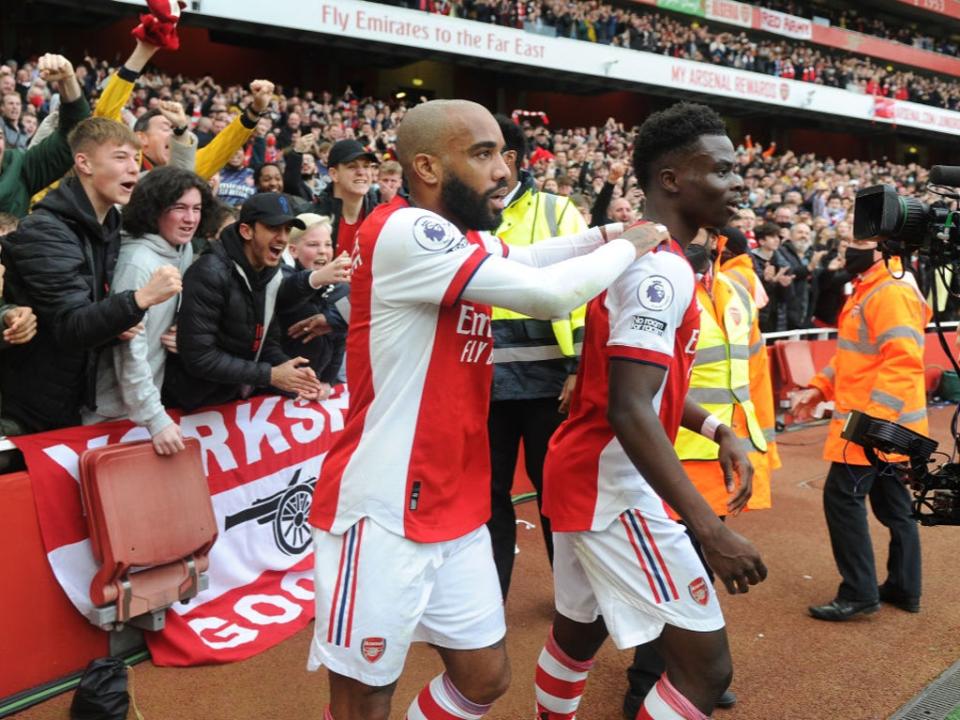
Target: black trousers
<point>648,664</point>
<point>533,422</point>
<point>844,504</point>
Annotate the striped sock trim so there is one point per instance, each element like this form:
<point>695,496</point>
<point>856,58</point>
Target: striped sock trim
<point>560,681</point>
<point>665,702</point>
<point>440,700</point>
<point>566,660</point>
<point>463,704</point>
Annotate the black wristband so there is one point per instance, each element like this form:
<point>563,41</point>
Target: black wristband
<point>248,122</point>
<point>127,74</point>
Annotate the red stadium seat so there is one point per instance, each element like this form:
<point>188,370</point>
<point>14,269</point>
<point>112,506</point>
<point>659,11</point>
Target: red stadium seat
<point>795,361</point>
<point>151,528</point>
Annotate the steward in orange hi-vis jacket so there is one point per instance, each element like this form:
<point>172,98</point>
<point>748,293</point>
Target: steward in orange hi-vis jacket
<point>878,369</point>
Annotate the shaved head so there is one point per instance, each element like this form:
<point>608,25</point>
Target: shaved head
<point>428,127</point>
<point>450,151</point>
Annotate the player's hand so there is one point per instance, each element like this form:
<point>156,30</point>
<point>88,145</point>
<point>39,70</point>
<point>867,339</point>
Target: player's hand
<point>21,325</point>
<point>54,67</point>
<point>169,339</point>
<point>733,559</point>
<point>645,236</point>
<point>168,441</point>
<point>262,91</point>
<point>804,402</point>
<point>736,465</point>
<point>296,376</point>
<point>566,394</point>
<point>174,112</point>
<point>310,328</point>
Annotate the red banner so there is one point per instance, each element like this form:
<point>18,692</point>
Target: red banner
<point>950,8</point>
<point>784,24</point>
<point>262,459</point>
<point>738,13</point>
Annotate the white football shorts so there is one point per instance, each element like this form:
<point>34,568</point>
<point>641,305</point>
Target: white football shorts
<point>640,573</point>
<point>377,592</point>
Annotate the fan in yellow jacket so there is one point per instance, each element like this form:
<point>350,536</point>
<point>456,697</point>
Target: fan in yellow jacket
<point>164,132</point>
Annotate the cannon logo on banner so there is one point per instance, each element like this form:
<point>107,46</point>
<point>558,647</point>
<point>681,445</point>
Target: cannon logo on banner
<point>262,458</point>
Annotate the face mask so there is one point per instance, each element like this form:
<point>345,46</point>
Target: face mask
<point>698,257</point>
<point>858,260</point>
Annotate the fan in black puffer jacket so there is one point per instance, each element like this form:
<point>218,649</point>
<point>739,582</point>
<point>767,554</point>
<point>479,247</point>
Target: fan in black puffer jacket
<point>227,340</point>
<point>60,262</point>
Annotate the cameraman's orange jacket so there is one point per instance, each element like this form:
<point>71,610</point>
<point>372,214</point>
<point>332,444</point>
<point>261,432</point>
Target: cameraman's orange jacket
<point>878,368</point>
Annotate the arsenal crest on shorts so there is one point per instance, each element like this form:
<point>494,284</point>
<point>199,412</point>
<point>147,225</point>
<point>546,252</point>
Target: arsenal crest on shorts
<point>372,648</point>
<point>699,591</point>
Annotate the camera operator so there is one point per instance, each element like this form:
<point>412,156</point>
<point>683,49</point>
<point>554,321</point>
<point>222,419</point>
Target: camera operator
<point>878,369</point>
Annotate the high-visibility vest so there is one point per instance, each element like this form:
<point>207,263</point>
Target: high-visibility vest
<point>878,367</point>
<point>531,217</point>
<point>740,270</point>
<point>720,381</point>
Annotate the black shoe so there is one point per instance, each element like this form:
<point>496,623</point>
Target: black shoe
<point>839,609</point>
<point>727,700</point>
<point>896,598</point>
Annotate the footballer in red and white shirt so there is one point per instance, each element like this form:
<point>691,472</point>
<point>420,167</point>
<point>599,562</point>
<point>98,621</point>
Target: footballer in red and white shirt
<point>649,316</point>
<point>622,567</point>
<point>402,553</point>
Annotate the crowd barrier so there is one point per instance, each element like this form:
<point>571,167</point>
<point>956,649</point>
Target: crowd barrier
<point>53,642</point>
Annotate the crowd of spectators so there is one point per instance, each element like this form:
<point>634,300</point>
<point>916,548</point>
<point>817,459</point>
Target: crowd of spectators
<point>652,30</point>
<point>226,270</point>
<point>850,18</point>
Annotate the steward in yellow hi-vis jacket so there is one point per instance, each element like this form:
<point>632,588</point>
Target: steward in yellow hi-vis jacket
<point>737,265</point>
<point>878,369</point>
<point>535,361</point>
<point>720,383</point>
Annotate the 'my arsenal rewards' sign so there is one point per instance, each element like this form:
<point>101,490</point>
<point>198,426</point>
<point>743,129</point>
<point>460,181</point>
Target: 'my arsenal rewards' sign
<point>262,459</point>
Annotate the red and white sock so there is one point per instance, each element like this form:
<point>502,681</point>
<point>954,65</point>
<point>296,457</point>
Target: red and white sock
<point>440,700</point>
<point>560,681</point>
<point>665,702</point>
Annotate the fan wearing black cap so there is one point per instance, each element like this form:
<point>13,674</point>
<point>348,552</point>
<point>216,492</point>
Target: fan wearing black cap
<point>228,343</point>
<point>348,199</point>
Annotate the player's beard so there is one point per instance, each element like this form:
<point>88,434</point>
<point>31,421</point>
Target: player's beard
<point>469,208</point>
